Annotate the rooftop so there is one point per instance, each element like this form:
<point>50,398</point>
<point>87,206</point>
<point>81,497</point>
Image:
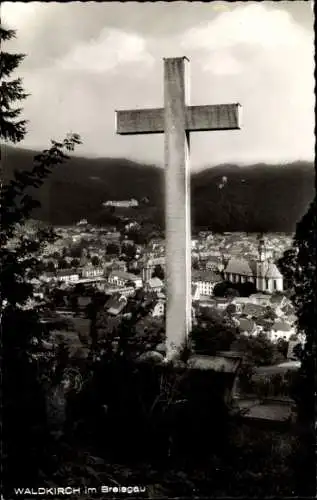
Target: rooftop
<point>240,266</point>
<point>205,276</point>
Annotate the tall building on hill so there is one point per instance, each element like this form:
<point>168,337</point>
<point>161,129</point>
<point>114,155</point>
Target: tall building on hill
<point>262,271</point>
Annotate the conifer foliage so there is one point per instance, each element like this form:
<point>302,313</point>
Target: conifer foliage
<point>12,128</point>
<point>22,396</point>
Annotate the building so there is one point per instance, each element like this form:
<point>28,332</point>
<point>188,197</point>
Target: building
<point>127,291</point>
<point>214,263</point>
<point>154,285</point>
<point>262,272</point>
<point>116,304</point>
<point>122,203</point>
<point>195,292</point>
<point>122,278</point>
<point>68,275</point>
<point>149,267</point>
<point>281,330</point>
<point>205,280</point>
<point>90,271</point>
<point>247,326</point>
<point>158,309</point>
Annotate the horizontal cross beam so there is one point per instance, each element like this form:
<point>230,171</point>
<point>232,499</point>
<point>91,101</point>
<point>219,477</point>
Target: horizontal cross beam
<point>198,119</point>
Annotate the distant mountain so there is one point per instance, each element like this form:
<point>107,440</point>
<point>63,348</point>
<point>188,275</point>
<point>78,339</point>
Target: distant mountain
<point>224,198</point>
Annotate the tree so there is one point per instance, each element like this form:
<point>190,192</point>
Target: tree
<point>95,260</point>
<point>158,272</point>
<point>213,333</point>
<point>113,249</point>
<point>23,363</point>
<point>129,252</point>
<point>270,313</point>
<point>50,267</point>
<point>231,309</point>
<point>231,293</point>
<point>74,263</point>
<point>259,350</point>
<point>195,264</point>
<point>246,289</point>
<point>75,251</point>
<point>282,347</point>
<point>63,264</point>
<point>220,289</point>
<point>11,91</point>
<point>298,266</point>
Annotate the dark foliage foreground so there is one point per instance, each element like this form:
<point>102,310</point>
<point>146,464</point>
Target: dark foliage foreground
<point>141,424</point>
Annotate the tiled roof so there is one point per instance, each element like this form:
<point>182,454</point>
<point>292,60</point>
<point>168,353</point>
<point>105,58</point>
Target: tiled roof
<point>253,309</point>
<point>67,272</point>
<point>154,261</point>
<point>277,299</point>
<point>262,297</point>
<point>205,276</point>
<point>240,266</point>
<point>116,304</point>
<point>124,275</point>
<point>155,282</point>
<point>272,271</point>
<point>246,325</point>
<point>281,326</point>
<point>241,300</point>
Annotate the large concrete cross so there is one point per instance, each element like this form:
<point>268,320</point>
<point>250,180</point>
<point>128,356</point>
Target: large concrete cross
<point>176,120</point>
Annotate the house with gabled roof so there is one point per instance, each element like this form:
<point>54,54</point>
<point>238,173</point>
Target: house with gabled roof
<point>116,304</point>
<point>154,285</point>
<point>253,310</point>
<point>122,278</point>
<point>281,330</point>
<point>247,326</point>
<point>206,281</point>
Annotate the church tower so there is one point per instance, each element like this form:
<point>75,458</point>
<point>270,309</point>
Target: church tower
<point>261,265</point>
<point>262,254</point>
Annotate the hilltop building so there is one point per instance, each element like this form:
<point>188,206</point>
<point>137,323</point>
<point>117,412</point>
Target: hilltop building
<point>261,271</point>
<point>121,203</point>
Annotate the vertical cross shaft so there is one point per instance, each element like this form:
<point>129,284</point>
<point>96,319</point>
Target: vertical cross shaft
<point>177,192</point>
<point>176,120</point>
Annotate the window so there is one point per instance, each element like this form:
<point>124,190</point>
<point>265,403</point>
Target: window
<point>266,283</point>
<point>274,284</point>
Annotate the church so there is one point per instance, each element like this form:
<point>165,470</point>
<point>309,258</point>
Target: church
<point>262,272</point>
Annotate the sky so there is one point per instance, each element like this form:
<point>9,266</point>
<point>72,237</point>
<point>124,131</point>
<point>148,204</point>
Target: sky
<point>85,60</point>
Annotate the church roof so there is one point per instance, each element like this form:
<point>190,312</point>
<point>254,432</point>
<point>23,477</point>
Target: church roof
<point>272,271</point>
<point>240,266</point>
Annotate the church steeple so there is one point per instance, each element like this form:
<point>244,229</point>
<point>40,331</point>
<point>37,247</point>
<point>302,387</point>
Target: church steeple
<point>261,248</point>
